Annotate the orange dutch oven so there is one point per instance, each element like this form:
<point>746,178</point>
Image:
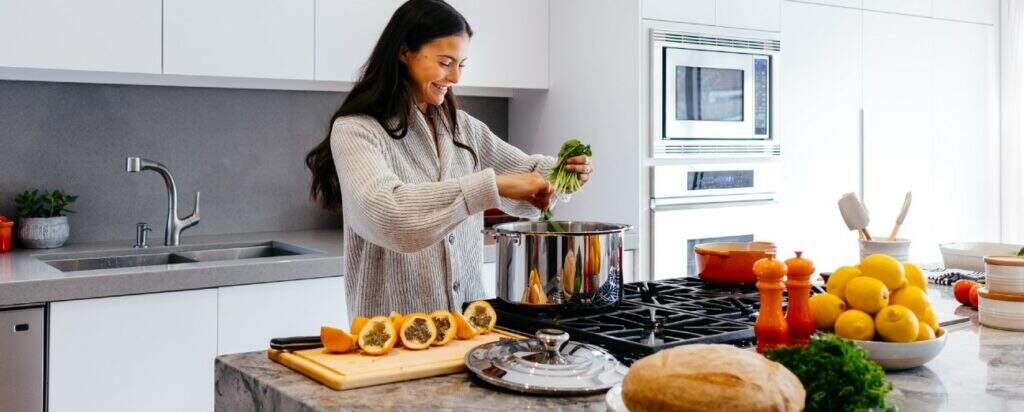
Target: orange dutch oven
<point>730,262</point>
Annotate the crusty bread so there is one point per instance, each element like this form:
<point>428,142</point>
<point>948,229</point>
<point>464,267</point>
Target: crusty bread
<point>710,377</point>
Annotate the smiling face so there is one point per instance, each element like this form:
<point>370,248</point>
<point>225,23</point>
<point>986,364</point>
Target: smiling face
<point>436,66</point>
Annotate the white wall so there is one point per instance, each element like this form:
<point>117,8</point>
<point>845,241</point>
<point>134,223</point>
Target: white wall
<point>601,107</point>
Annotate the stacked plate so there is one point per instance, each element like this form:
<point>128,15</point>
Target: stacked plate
<point>1001,301</point>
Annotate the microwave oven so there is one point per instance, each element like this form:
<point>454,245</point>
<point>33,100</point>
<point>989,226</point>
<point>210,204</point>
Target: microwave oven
<point>713,95</point>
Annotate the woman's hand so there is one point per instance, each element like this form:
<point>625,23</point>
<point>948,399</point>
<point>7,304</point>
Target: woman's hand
<point>581,165</point>
<point>530,187</point>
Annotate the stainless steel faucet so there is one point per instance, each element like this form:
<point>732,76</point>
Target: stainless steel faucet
<point>172,233</point>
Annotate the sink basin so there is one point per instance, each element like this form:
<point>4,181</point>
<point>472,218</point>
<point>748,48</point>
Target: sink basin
<point>180,254</point>
<point>236,253</point>
<point>114,262</point>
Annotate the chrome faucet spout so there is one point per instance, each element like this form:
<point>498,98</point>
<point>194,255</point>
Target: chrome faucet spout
<point>172,232</point>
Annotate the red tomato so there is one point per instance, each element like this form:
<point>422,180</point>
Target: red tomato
<point>974,295</point>
<point>962,291</point>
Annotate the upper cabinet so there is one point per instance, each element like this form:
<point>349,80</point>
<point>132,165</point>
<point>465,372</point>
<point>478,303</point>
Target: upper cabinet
<point>509,48</point>
<point>510,43</point>
<point>912,7</point>
<point>977,11</point>
<point>95,35</point>
<point>745,14</point>
<point>239,38</point>
<point>346,31</point>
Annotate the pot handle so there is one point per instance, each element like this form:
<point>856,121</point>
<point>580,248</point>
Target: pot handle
<point>494,234</point>
<point>719,253</point>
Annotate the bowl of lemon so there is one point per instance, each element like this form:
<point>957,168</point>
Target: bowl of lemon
<point>882,306</point>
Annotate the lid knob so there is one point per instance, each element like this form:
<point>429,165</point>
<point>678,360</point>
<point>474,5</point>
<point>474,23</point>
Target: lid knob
<point>553,339</point>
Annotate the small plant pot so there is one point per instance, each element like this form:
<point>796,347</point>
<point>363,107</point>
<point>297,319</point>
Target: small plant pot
<point>43,232</point>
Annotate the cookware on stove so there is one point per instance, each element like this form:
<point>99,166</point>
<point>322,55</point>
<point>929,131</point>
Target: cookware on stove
<point>730,262</point>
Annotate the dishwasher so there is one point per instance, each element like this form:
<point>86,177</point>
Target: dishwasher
<point>22,364</point>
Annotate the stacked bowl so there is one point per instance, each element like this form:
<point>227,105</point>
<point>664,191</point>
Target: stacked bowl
<point>1001,301</point>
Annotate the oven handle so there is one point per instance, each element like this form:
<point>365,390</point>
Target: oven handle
<point>675,203</point>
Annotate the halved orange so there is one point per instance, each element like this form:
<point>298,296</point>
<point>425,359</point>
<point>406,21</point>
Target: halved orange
<point>336,340</point>
<point>417,331</point>
<point>444,322</point>
<point>463,329</point>
<point>481,315</point>
<point>357,324</point>
<point>378,336</point>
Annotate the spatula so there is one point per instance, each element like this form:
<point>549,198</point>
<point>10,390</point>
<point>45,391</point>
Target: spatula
<point>854,214</point>
<point>903,215</point>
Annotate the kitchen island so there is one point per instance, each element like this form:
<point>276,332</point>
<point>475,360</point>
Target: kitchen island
<point>979,369</point>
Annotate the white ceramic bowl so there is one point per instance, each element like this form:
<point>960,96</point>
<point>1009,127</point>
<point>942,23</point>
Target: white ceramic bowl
<point>894,356</point>
<point>971,255</point>
<point>897,248</point>
<point>1005,274</point>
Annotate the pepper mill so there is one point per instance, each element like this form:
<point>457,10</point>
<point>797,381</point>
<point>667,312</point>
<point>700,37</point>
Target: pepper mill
<point>770,329</point>
<point>798,287</point>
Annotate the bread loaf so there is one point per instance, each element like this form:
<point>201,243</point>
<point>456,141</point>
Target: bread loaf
<point>710,377</point>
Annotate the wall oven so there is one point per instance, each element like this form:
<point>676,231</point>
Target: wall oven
<point>712,95</point>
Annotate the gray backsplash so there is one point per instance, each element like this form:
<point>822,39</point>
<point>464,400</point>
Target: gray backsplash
<point>243,149</point>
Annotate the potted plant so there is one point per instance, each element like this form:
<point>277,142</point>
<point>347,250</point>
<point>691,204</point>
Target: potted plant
<point>44,221</point>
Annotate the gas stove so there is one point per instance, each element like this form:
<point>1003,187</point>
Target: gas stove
<point>651,316</point>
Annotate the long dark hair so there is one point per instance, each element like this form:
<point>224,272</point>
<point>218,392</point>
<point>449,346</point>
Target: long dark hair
<point>383,90</point>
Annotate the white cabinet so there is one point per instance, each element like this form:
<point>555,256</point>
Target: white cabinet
<point>748,14</point>
<point>844,3</point>
<point>249,316</point>
<point>489,278</point>
<point>510,43</point>
<point>629,266</point>
<point>346,31</point>
<point>977,11</point>
<point>692,11</point>
<point>239,38</point>
<point>134,353</point>
<point>821,156</point>
<point>100,35</point>
<point>966,133</point>
<point>914,7</point>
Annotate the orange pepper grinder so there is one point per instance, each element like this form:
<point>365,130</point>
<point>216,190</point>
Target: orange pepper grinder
<point>770,329</point>
<point>798,287</point>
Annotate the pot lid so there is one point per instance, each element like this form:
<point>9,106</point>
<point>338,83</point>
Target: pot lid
<point>546,364</point>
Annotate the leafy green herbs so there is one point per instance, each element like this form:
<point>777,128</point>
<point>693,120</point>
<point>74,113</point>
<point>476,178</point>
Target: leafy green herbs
<point>1020,252</point>
<point>564,180</point>
<point>32,203</point>
<point>836,373</point>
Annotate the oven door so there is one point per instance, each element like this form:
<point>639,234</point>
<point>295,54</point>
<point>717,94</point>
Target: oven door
<point>677,229</point>
<point>715,95</point>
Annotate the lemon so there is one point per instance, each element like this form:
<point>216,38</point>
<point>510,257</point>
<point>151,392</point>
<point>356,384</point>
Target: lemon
<point>928,318</point>
<point>854,324</point>
<point>897,323</point>
<point>826,308</point>
<point>925,332</point>
<point>867,294</point>
<point>884,268</point>
<point>836,284</point>
<point>912,298</point>
<point>915,277</point>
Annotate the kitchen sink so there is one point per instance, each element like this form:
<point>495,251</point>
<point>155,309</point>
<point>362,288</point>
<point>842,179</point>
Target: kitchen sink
<point>180,254</point>
<point>114,262</point>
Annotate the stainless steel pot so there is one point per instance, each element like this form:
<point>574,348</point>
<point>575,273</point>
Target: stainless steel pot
<point>559,264</point>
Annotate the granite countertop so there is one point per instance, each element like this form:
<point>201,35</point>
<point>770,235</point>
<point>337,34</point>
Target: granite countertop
<point>979,369</point>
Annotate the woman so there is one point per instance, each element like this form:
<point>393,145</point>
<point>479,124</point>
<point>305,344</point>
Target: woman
<point>412,173</point>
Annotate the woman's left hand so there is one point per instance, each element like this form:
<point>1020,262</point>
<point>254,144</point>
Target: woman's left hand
<point>581,165</point>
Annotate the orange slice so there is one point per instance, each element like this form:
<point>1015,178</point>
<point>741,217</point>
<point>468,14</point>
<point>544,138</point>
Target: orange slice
<point>336,340</point>
<point>463,329</point>
<point>357,324</point>
<point>444,322</point>
<point>417,331</point>
<point>378,336</point>
<point>481,315</point>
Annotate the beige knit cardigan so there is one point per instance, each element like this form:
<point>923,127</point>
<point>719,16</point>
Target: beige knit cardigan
<point>413,208</point>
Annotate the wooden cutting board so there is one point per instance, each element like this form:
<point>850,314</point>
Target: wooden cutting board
<point>341,371</point>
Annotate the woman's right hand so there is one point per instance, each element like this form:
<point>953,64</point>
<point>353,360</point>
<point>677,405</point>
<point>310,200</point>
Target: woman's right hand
<point>529,187</point>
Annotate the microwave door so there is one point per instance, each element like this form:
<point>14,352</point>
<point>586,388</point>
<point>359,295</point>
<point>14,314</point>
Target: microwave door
<point>708,95</point>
